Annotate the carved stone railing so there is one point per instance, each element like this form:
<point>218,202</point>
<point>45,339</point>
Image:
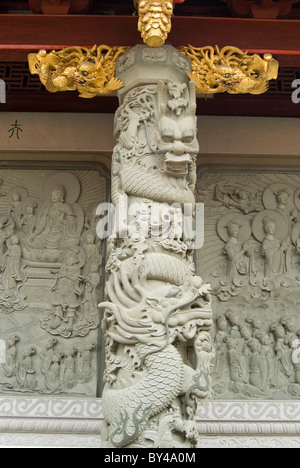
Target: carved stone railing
<point>66,422</point>
<point>50,422</point>
<point>249,424</point>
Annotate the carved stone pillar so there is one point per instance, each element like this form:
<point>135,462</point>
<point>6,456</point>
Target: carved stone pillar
<point>157,316</point>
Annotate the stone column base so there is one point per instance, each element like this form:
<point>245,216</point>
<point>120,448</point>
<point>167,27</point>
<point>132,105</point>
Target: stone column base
<point>75,423</point>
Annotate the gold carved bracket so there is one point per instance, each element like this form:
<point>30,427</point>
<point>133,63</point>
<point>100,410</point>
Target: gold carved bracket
<point>230,70</point>
<point>89,71</point>
<point>92,71</point>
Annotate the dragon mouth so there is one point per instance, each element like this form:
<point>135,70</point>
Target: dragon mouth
<point>198,308</point>
<point>177,166</point>
<point>226,84</point>
<point>202,314</point>
<point>176,170</point>
<point>80,82</point>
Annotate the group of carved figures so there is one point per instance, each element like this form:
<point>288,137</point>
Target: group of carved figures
<point>252,359</point>
<point>255,281</point>
<point>261,235</point>
<point>54,234</point>
<point>53,370</point>
<point>50,284</point>
<point>277,228</point>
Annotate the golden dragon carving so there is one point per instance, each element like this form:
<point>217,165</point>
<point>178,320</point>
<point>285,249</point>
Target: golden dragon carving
<point>89,71</point>
<point>230,70</point>
<point>92,71</point>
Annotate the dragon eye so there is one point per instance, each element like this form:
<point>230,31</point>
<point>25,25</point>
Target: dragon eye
<point>85,73</point>
<point>188,136</point>
<point>227,75</point>
<point>168,135</point>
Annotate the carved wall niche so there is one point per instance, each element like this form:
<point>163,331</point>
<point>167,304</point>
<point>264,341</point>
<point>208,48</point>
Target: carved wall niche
<point>51,278</point>
<point>251,257</point>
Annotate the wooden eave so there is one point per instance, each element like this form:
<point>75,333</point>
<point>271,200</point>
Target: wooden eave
<point>21,34</point>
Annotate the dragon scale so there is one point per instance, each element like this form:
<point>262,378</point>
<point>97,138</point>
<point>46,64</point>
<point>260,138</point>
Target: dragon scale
<point>151,395</point>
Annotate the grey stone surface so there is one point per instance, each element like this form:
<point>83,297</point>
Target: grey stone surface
<point>251,258</point>
<point>51,271</point>
<point>158,311</point>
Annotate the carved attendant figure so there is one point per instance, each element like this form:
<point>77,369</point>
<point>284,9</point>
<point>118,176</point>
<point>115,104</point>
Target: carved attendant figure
<point>47,356</point>
<point>11,354</point>
<point>235,251</point>
<point>91,293</point>
<point>6,229</point>
<point>272,249</point>
<point>16,209</point>
<point>257,365</point>
<point>12,264</point>
<point>26,371</point>
<point>282,199</point>
<point>284,368</point>
<point>70,368</point>
<point>220,346</point>
<point>29,219</point>
<point>85,366</point>
<point>236,372</point>
<point>57,225</point>
<point>69,288</point>
<point>52,379</point>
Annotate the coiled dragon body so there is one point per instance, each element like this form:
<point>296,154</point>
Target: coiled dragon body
<point>128,409</point>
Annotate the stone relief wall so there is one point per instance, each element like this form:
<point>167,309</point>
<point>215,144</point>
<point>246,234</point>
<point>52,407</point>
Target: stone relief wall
<point>50,280</point>
<point>251,256</point>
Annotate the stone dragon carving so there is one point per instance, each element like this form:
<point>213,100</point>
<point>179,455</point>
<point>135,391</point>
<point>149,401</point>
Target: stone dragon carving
<point>158,312</point>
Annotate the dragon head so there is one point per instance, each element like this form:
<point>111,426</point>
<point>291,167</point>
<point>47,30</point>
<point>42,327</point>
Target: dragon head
<point>86,72</point>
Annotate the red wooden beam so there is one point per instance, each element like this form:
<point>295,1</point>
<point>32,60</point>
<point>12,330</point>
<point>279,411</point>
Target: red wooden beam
<point>21,34</point>
<point>281,38</point>
<point>222,104</point>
